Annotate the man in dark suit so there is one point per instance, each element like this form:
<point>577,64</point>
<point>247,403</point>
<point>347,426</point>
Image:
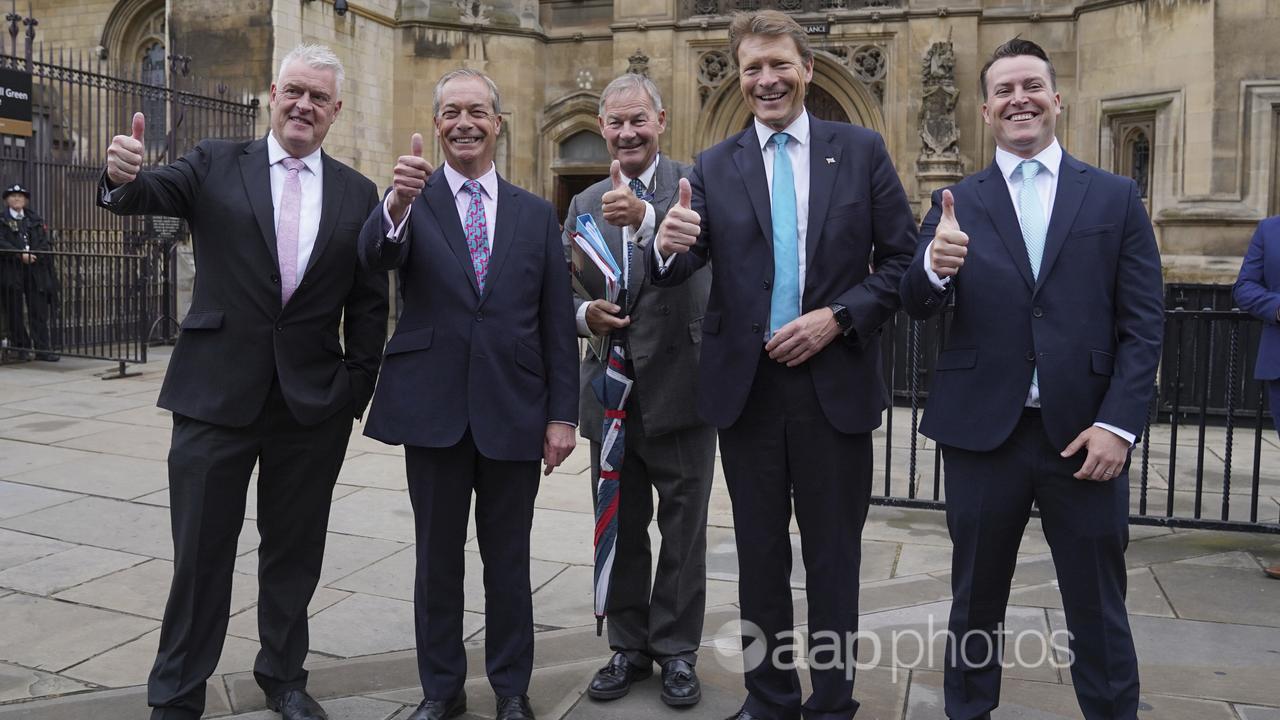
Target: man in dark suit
<point>668,448</point>
<point>258,375</point>
<point>478,385</point>
<point>1257,291</point>
<point>1042,385</point>
<point>793,210</point>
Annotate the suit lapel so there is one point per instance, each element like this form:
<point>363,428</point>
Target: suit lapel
<point>330,205</point>
<point>256,174</point>
<point>750,162</point>
<point>822,178</point>
<point>994,193</point>
<point>441,203</point>
<point>503,235</point>
<point>1073,181</point>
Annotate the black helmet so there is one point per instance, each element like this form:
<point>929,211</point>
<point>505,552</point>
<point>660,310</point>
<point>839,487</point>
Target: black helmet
<point>17,188</point>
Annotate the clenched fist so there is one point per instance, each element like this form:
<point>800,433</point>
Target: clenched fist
<point>124,155</point>
<point>950,243</point>
<point>408,179</point>
<point>680,228</point>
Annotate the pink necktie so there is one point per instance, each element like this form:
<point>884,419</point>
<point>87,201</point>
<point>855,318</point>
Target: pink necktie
<point>287,232</point>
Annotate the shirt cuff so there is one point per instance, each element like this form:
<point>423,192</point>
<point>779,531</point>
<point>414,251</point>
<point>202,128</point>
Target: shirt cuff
<point>394,234</point>
<point>1122,434</point>
<point>645,232</point>
<point>663,265</point>
<point>111,195</point>
<point>583,329</point>
<point>563,422</point>
<point>939,283</point>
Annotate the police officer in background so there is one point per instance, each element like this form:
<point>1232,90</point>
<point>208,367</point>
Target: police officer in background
<point>26,276</point>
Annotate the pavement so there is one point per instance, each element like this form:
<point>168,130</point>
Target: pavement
<point>85,562</point>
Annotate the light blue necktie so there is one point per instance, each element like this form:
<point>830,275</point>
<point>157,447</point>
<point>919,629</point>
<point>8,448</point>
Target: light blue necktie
<point>785,302</point>
<point>1034,227</point>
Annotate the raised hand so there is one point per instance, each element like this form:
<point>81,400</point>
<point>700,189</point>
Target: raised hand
<point>682,225</point>
<point>408,179</point>
<point>620,205</point>
<point>124,155</point>
<point>950,243</point>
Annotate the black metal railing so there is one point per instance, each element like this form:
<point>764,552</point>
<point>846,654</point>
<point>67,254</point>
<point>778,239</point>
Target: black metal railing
<point>1208,456</point>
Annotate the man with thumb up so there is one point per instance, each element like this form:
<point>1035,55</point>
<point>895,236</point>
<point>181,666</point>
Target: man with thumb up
<point>669,449</point>
<point>258,375</point>
<point>1042,385</point>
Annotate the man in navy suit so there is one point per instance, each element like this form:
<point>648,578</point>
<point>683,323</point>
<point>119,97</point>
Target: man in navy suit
<point>1257,291</point>
<point>479,383</point>
<point>790,366</point>
<point>1042,385</point>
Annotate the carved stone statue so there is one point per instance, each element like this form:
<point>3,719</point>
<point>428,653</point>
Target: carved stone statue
<point>938,131</point>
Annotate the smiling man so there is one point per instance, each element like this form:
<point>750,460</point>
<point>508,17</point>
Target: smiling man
<point>810,231</point>
<point>669,450</point>
<point>1042,385</point>
<point>258,376</point>
<point>478,385</point>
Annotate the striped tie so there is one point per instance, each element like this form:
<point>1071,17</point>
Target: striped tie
<point>1034,227</point>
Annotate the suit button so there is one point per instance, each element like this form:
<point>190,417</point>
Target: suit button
<point>279,328</point>
<point>665,310</point>
<point>1037,312</point>
<point>479,316</point>
<point>1031,356</point>
<point>755,327</point>
<point>275,279</point>
<point>766,284</point>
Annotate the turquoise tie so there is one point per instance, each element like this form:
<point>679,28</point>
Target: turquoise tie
<point>785,302</point>
<point>1034,227</point>
<point>1031,215</point>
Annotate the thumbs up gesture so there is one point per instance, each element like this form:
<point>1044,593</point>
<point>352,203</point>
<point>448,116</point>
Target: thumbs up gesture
<point>408,179</point>
<point>124,155</point>
<point>950,243</point>
<point>680,228</point>
<point>620,205</point>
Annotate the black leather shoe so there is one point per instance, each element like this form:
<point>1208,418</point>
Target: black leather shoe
<point>297,705</point>
<point>441,709</point>
<point>680,686</point>
<point>614,680</point>
<point>742,715</point>
<point>47,356</point>
<point>515,707</point>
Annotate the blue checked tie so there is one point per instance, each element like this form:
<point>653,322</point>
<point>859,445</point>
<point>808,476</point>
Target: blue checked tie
<point>638,188</point>
<point>1034,227</point>
<point>785,302</point>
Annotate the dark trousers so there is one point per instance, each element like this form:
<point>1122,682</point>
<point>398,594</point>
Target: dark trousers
<point>441,481</point>
<point>989,497</point>
<point>784,450</point>
<point>209,469</point>
<point>1274,386</point>
<point>27,311</point>
<point>661,622</point>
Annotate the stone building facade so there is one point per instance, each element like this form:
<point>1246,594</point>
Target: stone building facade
<point>1183,95</point>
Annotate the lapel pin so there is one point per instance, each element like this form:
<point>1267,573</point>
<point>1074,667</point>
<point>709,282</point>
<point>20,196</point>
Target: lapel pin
<point>831,161</point>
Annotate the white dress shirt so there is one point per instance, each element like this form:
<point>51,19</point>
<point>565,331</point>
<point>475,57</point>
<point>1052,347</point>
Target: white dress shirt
<point>312,180</point>
<point>1046,184</point>
<point>639,237</point>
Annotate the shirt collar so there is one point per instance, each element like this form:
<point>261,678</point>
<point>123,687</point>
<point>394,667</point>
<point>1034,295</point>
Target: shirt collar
<point>798,130</point>
<point>15,214</point>
<point>488,181</point>
<point>1050,158</point>
<point>276,153</point>
<point>646,177</point>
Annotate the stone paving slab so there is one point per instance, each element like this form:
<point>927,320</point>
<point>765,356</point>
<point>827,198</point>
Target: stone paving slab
<point>17,548</point>
<point>67,569</point>
<point>1195,592</point>
<point>48,635</point>
<point>44,429</point>
<point>113,476</point>
<point>20,683</point>
<point>79,405</point>
<point>131,440</point>
<point>143,590</point>
<point>17,499</point>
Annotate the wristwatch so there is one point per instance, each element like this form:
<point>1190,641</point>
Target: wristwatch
<point>843,318</point>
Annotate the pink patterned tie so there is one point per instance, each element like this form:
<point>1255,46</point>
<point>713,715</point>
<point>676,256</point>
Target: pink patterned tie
<point>287,232</point>
<point>477,233</point>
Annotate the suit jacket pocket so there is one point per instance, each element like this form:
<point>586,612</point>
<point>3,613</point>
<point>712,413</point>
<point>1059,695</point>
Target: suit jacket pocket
<point>711,323</point>
<point>1103,363</point>
<point>207,320</point>
<point>1092,230</point>
<point>695,331</point>
<point>957,359</point>
<point>530,359</point>
<point>410,340</point>
<point>846,209</point>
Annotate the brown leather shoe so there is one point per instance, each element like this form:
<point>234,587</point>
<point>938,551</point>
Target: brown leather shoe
<point>1273,571</point>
